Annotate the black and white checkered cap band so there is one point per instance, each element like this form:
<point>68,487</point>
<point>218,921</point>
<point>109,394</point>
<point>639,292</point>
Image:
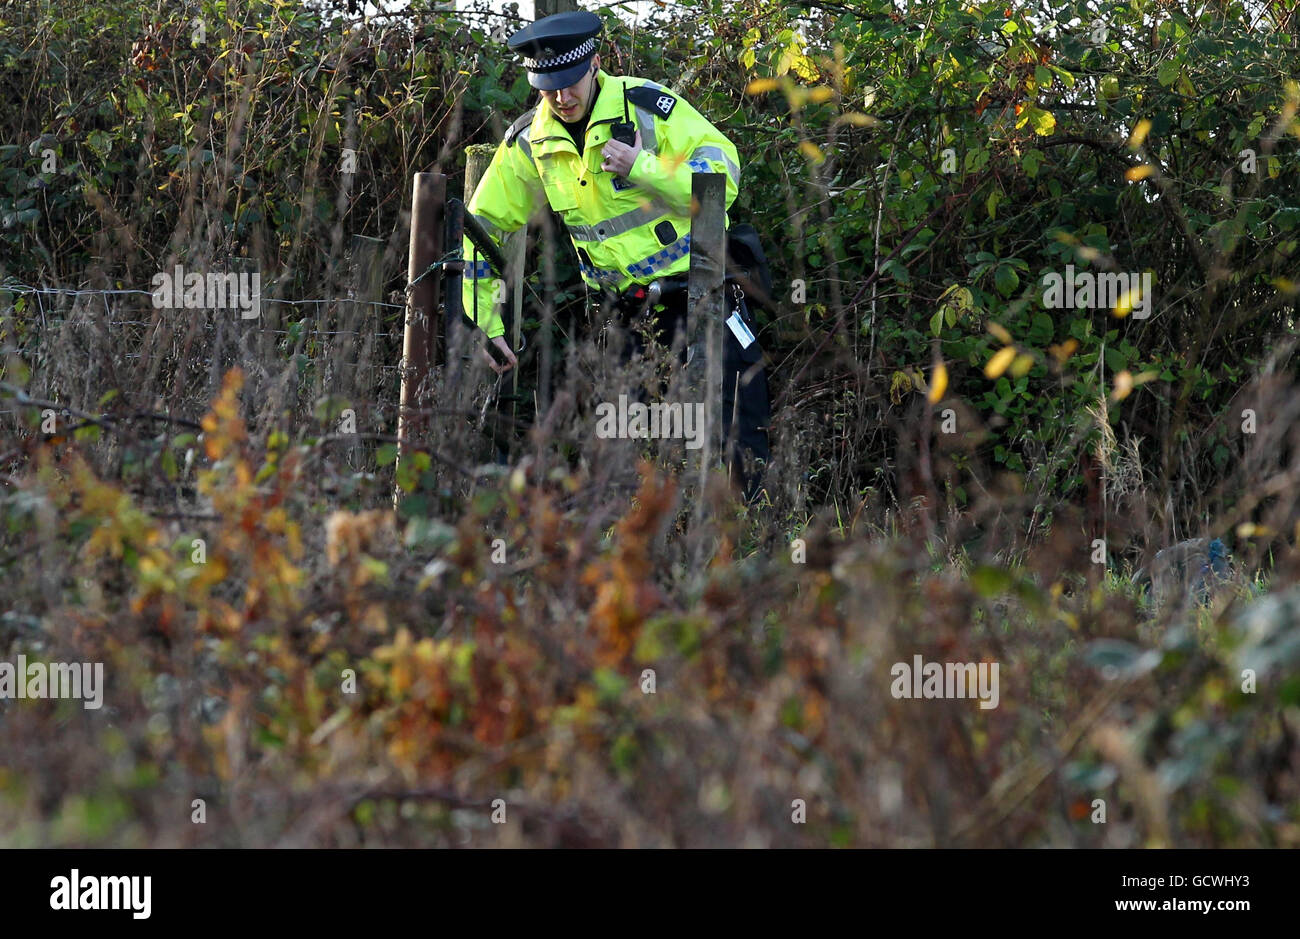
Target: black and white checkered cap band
<point>573,55</point>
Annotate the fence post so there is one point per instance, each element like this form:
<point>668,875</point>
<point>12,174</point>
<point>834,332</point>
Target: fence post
<point>705,313</point>
<point>423,294</point>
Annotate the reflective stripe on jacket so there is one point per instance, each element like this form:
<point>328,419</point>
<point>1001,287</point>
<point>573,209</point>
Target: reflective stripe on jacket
<point>625,234</point>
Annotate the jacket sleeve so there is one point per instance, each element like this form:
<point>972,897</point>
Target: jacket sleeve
<point>502,203</point>
<point>686,143</point>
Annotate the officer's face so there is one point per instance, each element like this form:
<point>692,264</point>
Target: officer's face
<point>570,104</point>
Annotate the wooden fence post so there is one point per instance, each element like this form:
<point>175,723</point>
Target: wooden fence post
<point>705,313</point>
<point>424,290</point>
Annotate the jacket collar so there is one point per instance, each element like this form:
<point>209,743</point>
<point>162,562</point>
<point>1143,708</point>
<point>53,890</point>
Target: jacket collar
<point>548,134</point>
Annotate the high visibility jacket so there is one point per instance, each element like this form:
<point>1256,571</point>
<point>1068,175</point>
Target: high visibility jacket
<point>624,231</point>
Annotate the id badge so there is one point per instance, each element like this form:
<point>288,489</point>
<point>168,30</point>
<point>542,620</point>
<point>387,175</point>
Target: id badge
<point>740,330</point>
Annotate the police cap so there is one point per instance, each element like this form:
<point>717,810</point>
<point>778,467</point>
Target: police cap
<point>557,48</point>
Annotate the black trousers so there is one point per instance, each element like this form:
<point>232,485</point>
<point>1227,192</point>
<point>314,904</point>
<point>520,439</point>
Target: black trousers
<point>745,399</point>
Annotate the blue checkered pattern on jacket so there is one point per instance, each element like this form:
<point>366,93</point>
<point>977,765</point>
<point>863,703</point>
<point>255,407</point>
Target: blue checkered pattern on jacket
<point>652,265</point>
<point>480,269</point>
<point>599,274</point>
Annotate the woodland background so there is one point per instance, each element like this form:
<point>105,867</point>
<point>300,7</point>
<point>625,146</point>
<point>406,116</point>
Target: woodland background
<point>914,174</point>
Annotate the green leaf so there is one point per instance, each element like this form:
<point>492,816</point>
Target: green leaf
<point>1005,279</point>
<point>897,270</point>
<point>100,142</point>
<point>1065,76</point>
<point>1031,161</point>
<point>610,685</point>
<point>1043,122</point>
<point>386,454</point>
<point>990,581</point>
<point>1167,74</point>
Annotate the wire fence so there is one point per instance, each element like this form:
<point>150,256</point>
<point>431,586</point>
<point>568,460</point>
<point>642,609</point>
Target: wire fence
<point>320,333</point>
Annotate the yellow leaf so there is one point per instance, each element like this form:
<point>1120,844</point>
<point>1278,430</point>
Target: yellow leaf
<point>1139,134</point>
<point>858,119</point>
<point>1127,300</point>
<point>998,364</point>
<point>1064,350</point>
<point>1123,386</point>
<point>820,93</point>
<point>899,385</point>
<point>998,330</point>
<point>812,151</point>
<point>1251,530</point>
<point>1022,364</point>
<point>1135,173</point>
<point>761,85</point>
<point>938,382</point>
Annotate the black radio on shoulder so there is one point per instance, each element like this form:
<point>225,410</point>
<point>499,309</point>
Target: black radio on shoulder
<point>624,131</point>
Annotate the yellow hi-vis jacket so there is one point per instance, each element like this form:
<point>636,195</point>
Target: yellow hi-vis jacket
<point>624,231</point>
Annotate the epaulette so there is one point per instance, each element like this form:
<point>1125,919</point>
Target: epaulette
<point>652,98</point>
<point>519,125</point>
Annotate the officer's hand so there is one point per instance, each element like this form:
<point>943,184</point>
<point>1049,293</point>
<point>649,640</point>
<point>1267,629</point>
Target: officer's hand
<point>619,157</point>
<point>506,352</point>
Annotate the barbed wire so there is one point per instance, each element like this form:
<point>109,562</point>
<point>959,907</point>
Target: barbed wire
<point>66,291</point>
<point>46,309</point>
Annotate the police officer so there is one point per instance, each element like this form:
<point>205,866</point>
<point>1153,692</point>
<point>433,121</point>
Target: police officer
<point>626,205</point>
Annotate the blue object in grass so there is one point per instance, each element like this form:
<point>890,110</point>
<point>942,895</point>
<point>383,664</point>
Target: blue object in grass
<point>1214,569</point>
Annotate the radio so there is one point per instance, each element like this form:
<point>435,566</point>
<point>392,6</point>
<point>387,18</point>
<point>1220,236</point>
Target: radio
<point>624,131</point>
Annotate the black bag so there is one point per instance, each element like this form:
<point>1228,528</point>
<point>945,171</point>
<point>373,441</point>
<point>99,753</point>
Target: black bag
<point>745,257</point>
